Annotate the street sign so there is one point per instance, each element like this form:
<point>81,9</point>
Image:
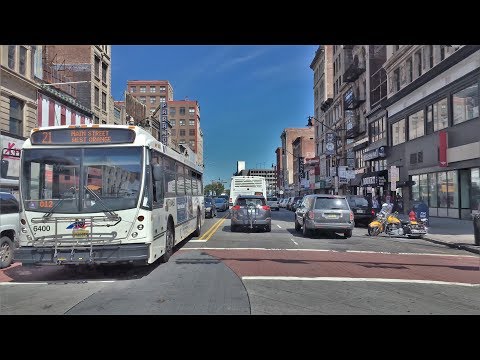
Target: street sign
<point>394,174</point>
<point>393,185</point>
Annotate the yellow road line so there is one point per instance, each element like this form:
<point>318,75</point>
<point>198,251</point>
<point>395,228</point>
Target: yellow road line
<point>216,228</point>
<point>213,228</point>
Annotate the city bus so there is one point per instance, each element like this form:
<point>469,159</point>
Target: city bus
<point>93,194</point>
<point>247,185</point>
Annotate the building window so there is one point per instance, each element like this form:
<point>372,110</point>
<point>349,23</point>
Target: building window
<point>409,71</point>
<point>432,190</point>
<point>442,52</point>
<point>143,99</point>
<point>398,132</point>
<point>191,110</point>
<point>192,144</point>
<point>395,48</point>
<point>416,125</point>
<point>173,122</point>
<point>97,96</point>
<point>173,111</point>
<point>182,132</point>
<point>430,53</point>
<point>377,130</point>
<point>182,111</point>
<point>97,66</point>
<point>191,132</point>
<point>418,61</point>
<point>359,160</point>
<point>475,189</point>
<point>96,120</point>
<point>182,141</point>
<point>153,89</point>
<point>174,132</point>
<point>16,116</point>
<point>182,122</point>
<point>11,56</point>
<point>104,101</point>
<point>396,79</point>
<point>162,99</point>
<point>143,89</point>
<point>465,104</point>
<point>152,99</point>
<point>104,72</point>
<point>161,88</point>
<point>191,122</point>
<point>23,60</point>
<point>133,89</point>
<point>437,116</point>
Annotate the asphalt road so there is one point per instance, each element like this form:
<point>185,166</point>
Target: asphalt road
<point>280,272</point>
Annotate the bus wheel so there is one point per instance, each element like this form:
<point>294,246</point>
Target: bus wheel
<point>169,237</point>
<point>198,229</point>
<point>6,252</point>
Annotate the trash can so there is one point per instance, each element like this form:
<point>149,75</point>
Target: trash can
<point>476,228</point>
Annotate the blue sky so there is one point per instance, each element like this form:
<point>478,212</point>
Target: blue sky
<point>247,94</point>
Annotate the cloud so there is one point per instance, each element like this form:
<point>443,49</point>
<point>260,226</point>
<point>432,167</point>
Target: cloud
<point>268,71</point>
<point>241,59</point>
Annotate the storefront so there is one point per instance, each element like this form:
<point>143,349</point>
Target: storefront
<point>375,183</point>
<point>452,193</point>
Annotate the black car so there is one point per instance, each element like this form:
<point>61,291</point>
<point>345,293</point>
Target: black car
<point>210,208</point>
<point>362,209</point>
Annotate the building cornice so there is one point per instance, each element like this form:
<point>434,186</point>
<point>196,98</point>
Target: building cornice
<point>446,64</point>
<point>19,77</point>
<point>399,55</point>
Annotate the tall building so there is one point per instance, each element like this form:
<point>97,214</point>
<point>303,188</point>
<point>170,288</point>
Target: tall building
<point>20,65</point>
<point>152,93</point>
<point>184,117</point>
<point>287,137</point>
<point>433,127</point>
<point>303,147</point>
<point>278,170</point>
<point>90,65</point>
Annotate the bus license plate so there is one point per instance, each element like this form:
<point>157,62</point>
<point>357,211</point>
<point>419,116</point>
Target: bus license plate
<point>80,233</point>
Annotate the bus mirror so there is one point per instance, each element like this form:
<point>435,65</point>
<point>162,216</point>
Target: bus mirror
<point>157,172</point>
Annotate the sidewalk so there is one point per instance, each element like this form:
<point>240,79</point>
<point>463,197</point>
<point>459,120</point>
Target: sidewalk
<point>453,233</point>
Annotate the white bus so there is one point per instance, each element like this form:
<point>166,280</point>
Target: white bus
<point>247,185</point>
<point>105,194</point>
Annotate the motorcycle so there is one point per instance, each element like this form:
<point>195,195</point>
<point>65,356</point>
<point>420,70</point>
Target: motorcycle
<point>391,225</point>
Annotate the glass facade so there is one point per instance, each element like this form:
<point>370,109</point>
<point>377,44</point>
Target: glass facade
<point>452,189</point>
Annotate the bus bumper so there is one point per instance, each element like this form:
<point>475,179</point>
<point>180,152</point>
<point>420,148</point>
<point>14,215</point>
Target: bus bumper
<point>99,254</point>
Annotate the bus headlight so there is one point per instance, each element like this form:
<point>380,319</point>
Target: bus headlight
<point>24,230</point>
<point>134,235</point>
<point>140,227</point>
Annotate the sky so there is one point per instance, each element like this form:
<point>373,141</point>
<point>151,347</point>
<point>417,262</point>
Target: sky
<point>247,94</point>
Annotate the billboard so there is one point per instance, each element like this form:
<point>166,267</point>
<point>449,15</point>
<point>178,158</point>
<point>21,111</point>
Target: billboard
<point>135,108</point>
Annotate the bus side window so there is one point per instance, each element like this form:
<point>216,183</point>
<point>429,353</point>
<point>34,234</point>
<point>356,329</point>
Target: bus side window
<point>157,175</point>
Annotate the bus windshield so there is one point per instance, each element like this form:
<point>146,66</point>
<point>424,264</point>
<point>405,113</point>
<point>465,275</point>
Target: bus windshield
<point>66,180</point>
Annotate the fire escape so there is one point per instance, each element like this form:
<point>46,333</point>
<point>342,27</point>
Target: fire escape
<point>56,71</point>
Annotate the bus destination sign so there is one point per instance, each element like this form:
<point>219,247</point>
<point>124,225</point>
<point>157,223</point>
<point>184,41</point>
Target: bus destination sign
<point>87,136</point>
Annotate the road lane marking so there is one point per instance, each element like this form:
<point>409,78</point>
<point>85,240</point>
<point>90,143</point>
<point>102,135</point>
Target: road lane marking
<point>405,253</point>
<point>294,242</point>
<point>262,249</point>
<point>212,228</point>
<point>279,226</point>
<point>56,282</point>
<point>217,226</point>
<point>198,240</point>
<point>295,278</point>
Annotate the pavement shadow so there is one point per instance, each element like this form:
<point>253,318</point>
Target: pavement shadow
<point>227,228</point>
<point>316,235</point>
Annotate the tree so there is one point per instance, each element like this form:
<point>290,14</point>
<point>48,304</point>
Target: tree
<point>215,188</point>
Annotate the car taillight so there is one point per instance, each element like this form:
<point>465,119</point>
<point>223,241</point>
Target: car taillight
<point>266,207</point>
<point>236,207</point>
<point>373,212</point>
<point>351,216</point>
<point>311,215</point>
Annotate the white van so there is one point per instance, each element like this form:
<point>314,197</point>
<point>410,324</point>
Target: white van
<point>9,227</point>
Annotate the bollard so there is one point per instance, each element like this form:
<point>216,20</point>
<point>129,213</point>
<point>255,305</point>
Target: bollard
<point>476,228</point>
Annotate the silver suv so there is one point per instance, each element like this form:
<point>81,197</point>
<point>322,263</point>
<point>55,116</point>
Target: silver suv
<point>9,225</point>
<point>251,211</point>
<point>330,213</point>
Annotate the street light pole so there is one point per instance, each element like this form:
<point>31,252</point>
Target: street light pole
<point>344,136</point>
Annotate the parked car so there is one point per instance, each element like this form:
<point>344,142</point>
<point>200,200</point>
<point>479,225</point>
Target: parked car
<point>273,202</point>
<point>296,204</point>
<point>293,200</point>
<point>329,213</point>
<point>362,209</point>
<point>221,204</point>
<point>283,202</point>
<point>210,208</point>
<point>9,227</point>
<point>250,211</point>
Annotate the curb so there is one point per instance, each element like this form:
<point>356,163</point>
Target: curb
<point>471,248</point>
